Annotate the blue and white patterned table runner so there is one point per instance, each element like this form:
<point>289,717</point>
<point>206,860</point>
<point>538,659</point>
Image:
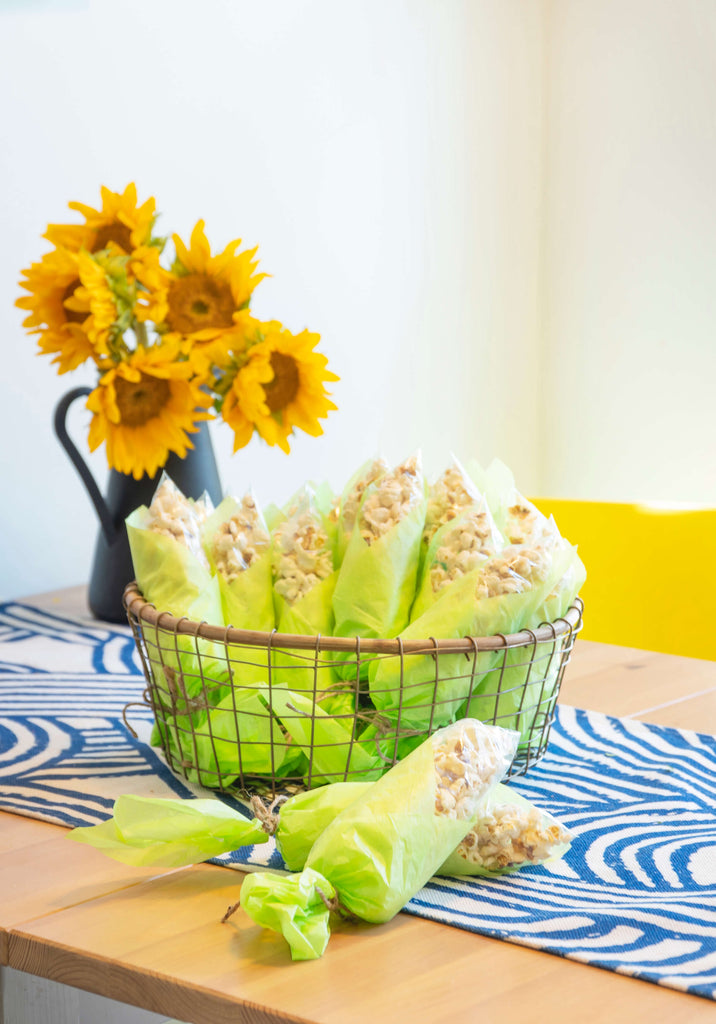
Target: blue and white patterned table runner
<point>636,893</point>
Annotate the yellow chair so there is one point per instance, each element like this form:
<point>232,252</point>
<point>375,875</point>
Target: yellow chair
<point>651,573</point>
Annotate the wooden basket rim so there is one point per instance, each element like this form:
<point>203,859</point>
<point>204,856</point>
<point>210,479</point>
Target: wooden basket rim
<point>141,610</point>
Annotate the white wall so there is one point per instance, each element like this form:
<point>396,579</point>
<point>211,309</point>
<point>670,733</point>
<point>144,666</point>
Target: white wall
<point>386,156</point>
<point>630,250</point>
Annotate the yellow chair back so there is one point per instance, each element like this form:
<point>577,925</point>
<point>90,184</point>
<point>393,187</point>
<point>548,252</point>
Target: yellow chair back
<point>651,573</point>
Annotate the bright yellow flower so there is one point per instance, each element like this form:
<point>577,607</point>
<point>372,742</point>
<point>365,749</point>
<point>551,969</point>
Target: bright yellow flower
<point>57,315</point>
<point>119,223</point>
<point>95,294</point>
<point>280,388</point>
<point>153,280</point>
<point>225,352</point>
<point>144,408</point>
<point>206,294</point>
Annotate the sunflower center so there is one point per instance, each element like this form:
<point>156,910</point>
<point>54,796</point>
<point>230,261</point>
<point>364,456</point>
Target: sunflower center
<point>284,386</point>
<point>115,232</point>
<point>142,400</point>
<point>72,316</point>
<point>197,301</point>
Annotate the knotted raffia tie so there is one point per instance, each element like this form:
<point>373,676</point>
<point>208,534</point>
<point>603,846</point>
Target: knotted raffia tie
<point>335,906</point>
<point>265,815</point>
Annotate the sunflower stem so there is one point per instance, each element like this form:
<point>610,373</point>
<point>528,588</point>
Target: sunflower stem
<point>140,333</point>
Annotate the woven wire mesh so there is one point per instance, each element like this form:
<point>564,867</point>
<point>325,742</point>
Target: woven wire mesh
<point>266,712</point>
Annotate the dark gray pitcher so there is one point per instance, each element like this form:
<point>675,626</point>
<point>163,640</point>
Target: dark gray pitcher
<point>112,563</point>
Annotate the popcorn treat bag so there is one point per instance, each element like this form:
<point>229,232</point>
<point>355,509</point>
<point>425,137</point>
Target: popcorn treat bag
<point>346,510</point>
<point>519,520</point>
<point>303,817</point>
<point>527,684</point>
<point>450,495</point>
<point>169,562</point>
<point>304,581</point>
<point>239,736</point>
<point>328,742</point>
<point>461,546</point>
<point>173,574</point>
<point>238,545</point>
<point>510,833</point>
<point>498,597</point>
<point>376,582</point>
<point>239,548</point>
<point>377,853</point>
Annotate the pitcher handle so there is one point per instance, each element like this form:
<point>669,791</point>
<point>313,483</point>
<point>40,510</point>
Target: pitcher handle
<point>105,516</point>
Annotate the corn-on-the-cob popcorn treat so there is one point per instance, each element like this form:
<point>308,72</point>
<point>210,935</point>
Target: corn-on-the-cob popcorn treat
<point>452,493</point>
<point>492,599</point>
<point>302,555</point>
<point>460,546</point>
<point>377,853</point>
<point>304,580</point>
<point>239,548</point>
<point>345,509</point>
<point>377,579</point>
<point>520,688</point>
<point>509,833</point>
<point>169,562</point>
<point>392,498</point>
<point>512,570</point>
<point>239,539</point>
<point>238,545</point>
<point>177,517</point>
<point>173,574</point>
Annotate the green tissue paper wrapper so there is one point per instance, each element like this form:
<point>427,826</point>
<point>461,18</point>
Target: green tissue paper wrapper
<point>169,833</point>
<point>375,855</point>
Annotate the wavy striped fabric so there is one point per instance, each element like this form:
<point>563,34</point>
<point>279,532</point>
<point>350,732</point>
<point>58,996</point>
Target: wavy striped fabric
<point>636,893</point>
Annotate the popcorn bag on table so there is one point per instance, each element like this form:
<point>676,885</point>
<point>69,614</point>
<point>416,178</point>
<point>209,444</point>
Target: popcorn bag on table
<point>377,853</point>
<point>377,579</point>
<point>510,832</point>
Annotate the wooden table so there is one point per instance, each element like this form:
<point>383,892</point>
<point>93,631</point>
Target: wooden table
<point>154,939</point>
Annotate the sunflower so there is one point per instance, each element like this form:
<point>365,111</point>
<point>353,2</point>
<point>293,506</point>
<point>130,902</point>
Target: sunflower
<point>245,401</point>
<point>95,294</point>
<point>279,388</point>
<point>120,223</point>
<point>57,315</point>
<point>205,295</point>
<point>144,408</point>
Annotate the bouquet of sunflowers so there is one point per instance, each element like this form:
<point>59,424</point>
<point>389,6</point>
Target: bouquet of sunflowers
<point>172,346</point>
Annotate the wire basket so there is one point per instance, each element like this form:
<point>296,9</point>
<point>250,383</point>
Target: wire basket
<point>243,711</point>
